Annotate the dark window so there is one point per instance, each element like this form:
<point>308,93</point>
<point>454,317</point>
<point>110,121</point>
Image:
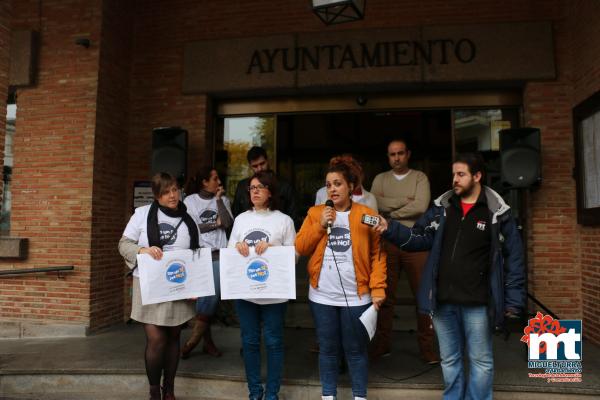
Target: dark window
<point>586,127</point>
<point>11,118</point>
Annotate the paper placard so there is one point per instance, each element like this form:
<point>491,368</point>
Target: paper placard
<point>180,274</point>
<point>268,276</point>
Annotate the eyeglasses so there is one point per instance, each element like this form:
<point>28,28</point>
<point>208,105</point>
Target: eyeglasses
<point>260,186</point>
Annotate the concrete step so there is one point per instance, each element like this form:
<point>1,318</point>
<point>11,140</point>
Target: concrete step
<point>129,386</point>
<point>110,365</point>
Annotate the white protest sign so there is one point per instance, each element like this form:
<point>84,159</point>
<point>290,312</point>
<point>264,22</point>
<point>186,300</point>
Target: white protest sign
<point>180,274</point>
<point>271,275</point>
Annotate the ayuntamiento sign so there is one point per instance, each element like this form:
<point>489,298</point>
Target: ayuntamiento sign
<point>408,56</point>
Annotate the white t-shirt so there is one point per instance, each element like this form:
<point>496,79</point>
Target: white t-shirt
<point>274,227</point>
<point>329,291</point>
<point>400,177</point>
<point>205,211</point>
<point>137,230</point>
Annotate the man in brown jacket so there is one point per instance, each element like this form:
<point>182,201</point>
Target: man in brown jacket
<point>402,194</point>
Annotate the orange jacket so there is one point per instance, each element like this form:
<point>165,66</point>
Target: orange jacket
<point>369,257</point>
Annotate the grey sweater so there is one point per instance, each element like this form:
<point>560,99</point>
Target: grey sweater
<point>405,200</point>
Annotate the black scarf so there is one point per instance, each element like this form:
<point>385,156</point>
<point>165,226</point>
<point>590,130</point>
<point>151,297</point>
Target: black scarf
<point>181,212</point>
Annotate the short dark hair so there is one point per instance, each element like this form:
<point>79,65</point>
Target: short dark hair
<point>401,139</point>
<point>474,161</point>
<point>268,179</point>
<point>256,152</point>
<point>161,182</point>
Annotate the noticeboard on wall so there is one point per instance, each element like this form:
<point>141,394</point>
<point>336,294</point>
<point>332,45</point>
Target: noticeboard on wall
<point>142,193</point>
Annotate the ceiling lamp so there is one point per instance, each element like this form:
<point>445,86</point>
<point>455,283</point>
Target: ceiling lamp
<point>339,11</point>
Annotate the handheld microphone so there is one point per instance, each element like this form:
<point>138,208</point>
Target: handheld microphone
<point>329,203</point>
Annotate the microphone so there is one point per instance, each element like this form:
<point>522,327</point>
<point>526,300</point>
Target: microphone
<point>329,203</point>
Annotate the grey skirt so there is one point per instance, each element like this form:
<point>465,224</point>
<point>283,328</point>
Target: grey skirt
<point>171,313</point>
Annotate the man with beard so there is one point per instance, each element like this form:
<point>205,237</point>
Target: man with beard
<point>402,194</point>
<point>474,276</point>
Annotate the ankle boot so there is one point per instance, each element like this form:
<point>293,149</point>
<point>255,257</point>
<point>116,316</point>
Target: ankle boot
<point>154,392</point>
<point>197,331</point>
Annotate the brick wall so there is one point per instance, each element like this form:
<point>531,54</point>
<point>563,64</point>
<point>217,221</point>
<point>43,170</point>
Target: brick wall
<point>585,43</point>
<point>53,165</point>
<point>554,272</point>
<point>110,163</point>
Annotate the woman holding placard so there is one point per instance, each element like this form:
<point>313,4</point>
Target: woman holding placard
<point>261,227</point>
<point>161,226</point>
<point>210,208</point>
<point>347,271</point>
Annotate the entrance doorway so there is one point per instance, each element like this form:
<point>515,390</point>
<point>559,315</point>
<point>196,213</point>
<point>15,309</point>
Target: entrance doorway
<point>306,142</point>
<point>300,144</point>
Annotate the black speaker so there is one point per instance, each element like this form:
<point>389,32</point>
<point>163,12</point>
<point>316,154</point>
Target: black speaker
<point>169,152</point>
<point>520,158</point>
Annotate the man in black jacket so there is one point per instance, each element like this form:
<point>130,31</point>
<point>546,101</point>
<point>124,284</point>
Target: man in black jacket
<point>258,161</point>
<point>474,275</point>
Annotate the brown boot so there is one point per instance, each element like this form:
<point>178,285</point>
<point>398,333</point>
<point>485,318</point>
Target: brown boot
<point>201,322</point>
<point>425,338</point>
<point>154,392</point>
<point>209,346</point>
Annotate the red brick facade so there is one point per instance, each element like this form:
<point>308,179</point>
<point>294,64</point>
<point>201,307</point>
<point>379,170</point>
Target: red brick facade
<point>54,165</point>
<point>585,44</point>
<point>109,203</point>
<point>84,135</point>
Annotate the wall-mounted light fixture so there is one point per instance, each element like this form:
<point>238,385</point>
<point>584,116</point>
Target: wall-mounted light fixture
<point>339,11</point>
<point>85,42</point>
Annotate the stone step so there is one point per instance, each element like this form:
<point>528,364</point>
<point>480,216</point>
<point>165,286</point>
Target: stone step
<point>128,386</point>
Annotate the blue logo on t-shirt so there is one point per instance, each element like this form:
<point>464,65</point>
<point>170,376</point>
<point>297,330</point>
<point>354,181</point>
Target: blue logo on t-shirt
<point>167,231</point>
<point>339,240</point>
<point>258,270</point>
<point>176,272</point>
<point>256,236</point>
<point>208,217</point>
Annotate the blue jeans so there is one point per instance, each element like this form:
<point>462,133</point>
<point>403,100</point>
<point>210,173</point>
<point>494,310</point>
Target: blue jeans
<point>272,317</point>
<point>458,327</point>
<point>208,305</point>
<point>335,325</point>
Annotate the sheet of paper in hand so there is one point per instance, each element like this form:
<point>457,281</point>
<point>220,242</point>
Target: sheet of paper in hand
<point>272,275</point>
<point>180,274</point>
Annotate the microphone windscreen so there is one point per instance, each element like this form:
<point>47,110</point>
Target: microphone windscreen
<point>329,203</point>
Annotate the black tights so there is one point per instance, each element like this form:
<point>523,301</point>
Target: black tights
<point>162,353</point>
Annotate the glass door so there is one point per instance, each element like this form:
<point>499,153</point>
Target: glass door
<point>239,134</point>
